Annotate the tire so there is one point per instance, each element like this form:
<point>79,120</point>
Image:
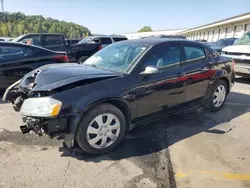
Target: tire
<point>82,59</point>
<point>92,143</point>
<point>210,104</point>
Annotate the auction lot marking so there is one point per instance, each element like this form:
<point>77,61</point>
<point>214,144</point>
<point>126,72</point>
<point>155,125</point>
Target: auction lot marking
<point>223,175</point>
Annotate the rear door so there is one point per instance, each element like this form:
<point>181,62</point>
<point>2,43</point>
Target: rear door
<point>197,73</point>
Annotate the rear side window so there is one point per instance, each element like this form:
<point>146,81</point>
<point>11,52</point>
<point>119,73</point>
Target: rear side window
<point>105,40</point>
<point>119,39</point>
<point>8,53</point>
<point>194,54</point>
<point>52,40</point>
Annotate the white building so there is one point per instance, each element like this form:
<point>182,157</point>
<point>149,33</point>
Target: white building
<point>228,28</point>
<point>138,35</point>
<point>233,27</point>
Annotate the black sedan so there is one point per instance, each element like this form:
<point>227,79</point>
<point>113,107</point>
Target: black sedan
<point>18,59</point>
<point>126,84</point>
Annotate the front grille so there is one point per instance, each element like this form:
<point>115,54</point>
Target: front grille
<point>237,53</point>
<point>242,62</point>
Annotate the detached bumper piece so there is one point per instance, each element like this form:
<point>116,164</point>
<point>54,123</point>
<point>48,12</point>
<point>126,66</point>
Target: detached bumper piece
<point>52,127</point>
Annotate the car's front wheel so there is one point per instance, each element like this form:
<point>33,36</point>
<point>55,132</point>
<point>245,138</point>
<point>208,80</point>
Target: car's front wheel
<point>217,96</point>
<point>101,129</point>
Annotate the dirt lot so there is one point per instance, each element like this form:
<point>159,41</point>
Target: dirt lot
<point>192,151</point>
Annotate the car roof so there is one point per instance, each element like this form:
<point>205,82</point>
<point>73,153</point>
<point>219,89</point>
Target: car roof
<point>155,41</point>
<point>5,43</point>
<point>113,36</point>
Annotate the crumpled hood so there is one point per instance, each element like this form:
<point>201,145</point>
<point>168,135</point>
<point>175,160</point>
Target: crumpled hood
<point>49,77</point>
<point>237,49</point>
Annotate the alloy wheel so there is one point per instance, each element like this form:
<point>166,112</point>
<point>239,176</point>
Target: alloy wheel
<point>219,96</point>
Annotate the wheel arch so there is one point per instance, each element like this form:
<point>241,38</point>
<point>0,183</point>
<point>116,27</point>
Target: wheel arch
<point>225,79</point>
<point>120,103</point>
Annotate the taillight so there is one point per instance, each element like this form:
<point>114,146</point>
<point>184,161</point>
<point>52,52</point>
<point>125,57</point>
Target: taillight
<point>99,47</point>
<point>63,58</point>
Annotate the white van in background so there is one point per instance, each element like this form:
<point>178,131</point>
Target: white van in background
<point>240,54</point>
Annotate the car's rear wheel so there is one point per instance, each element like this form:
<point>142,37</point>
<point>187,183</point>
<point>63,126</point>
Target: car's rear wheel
<point>101,130</point>
<point>218,96</point>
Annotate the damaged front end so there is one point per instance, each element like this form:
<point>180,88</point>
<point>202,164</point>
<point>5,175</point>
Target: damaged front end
<point>20,90</point>
<point>40,97</point>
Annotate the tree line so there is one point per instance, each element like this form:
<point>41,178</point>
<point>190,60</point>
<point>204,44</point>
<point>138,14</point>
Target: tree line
<point>16,24</point>
<point>145,29</point>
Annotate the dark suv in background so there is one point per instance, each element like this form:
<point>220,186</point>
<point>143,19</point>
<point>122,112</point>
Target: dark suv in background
<point>57,42</point>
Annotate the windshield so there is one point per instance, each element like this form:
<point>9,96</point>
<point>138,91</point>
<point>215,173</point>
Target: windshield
<point>245,39</point>
<point>16,39</point>
<point>116,57</point>
<point>220,42</point>
<point>85,40</point>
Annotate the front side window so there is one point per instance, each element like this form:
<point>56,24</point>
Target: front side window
<point>8,53</point>
<point>164,58</point>
<point>194,54</point>
<point>52,40</point>
<point>116,57</point>
<point>34,40</point>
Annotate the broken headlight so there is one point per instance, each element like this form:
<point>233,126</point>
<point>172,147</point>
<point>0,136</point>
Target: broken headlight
<point>41,107</point>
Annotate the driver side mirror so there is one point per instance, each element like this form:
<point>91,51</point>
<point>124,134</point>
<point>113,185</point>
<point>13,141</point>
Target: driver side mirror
<point>150,70</point>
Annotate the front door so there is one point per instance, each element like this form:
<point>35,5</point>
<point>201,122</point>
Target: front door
<point>158,94</point>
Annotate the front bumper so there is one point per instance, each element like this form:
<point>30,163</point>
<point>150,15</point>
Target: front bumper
<point>241,69</point>
<point>63,125</point>
<point>51,126</point>
<point>242,66</point>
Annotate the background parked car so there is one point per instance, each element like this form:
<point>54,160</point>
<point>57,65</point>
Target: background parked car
<point>17,59</point>
<point>239,52</point>
<point>221,43</point>
<point>102,39</point>
<point>76,52</point>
